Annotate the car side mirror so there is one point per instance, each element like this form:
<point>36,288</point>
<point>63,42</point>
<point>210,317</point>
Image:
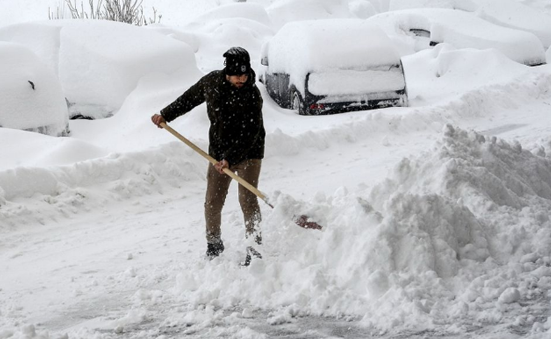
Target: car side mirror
<point>264,61</point>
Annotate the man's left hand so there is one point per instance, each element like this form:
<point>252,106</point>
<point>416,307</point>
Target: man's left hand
<point>221,165</point>
<point>157,119</point>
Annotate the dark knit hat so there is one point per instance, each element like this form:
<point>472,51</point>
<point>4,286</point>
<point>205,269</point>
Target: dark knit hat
<point>237,61</point>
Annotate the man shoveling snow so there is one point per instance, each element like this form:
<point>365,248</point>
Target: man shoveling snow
<point>236,140</point>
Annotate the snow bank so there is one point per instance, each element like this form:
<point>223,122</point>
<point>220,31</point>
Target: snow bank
<point>33,194</point>
<point>100,62</point>
<point>451,232</point>
<point>39,150</point>
<point>30,93</point>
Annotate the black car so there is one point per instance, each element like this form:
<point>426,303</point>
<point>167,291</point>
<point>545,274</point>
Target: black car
<point>356,67</point>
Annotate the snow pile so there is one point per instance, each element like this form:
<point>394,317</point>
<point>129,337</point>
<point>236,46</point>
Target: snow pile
<point>507,189</point>
<point>99,63</point>
<point>448,235</point>
<point>30,93</point>
<point>474,213</point>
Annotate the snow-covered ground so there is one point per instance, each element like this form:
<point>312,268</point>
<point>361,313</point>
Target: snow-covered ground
<point>436,216</point>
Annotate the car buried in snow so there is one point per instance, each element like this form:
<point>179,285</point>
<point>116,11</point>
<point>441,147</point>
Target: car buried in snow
<point>331,66</point>
<point>31,97</point>
<point>424,28</point>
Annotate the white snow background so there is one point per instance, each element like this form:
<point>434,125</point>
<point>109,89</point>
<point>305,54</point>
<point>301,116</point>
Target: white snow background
<point>436,216</point>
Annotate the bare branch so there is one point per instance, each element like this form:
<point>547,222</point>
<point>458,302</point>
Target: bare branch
<point>127,11</point>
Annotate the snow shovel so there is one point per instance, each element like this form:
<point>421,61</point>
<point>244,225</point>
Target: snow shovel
<point>302,220</point>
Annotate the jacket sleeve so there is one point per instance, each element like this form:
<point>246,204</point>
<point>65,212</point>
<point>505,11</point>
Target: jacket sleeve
<point>253,126</point>
<point>191,98</point>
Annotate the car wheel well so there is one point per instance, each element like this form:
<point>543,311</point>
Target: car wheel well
<point>296,101</point>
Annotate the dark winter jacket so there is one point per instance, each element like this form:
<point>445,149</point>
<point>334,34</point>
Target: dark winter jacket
<point>236,126</point>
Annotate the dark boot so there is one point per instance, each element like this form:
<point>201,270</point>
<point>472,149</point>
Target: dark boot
<point>251,253</point>
<point>214,249</point>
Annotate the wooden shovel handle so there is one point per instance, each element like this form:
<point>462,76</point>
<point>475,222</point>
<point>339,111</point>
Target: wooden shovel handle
<point>213,161</point>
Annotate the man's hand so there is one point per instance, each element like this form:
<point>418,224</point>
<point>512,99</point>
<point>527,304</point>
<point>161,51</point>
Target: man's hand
<point>221,165</point>
<point>158,119</point>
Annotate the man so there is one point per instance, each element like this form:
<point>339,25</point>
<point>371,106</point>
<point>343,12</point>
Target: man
<point>236,141</point>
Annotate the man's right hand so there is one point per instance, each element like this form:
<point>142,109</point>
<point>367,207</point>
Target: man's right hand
<point>158,119</point>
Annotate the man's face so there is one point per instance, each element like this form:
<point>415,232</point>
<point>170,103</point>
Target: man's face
<point>237,80</point>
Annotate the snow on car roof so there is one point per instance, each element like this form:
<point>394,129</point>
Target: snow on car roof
<point>464,30</point>
<point>318,45</point>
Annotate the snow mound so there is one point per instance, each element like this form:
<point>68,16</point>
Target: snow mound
<point>452,231</point>
<point>507,189</point>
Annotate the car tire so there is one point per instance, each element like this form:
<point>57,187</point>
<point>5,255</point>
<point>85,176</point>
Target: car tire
<point>296,103</point>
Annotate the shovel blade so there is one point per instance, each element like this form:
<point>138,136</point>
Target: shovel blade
<point>303,222</point>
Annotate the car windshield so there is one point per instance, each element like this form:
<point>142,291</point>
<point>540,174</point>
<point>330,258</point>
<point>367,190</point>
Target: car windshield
<point>346,82</point>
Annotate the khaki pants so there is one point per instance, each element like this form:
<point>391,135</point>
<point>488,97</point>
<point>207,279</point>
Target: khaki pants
<point>217,189</point>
